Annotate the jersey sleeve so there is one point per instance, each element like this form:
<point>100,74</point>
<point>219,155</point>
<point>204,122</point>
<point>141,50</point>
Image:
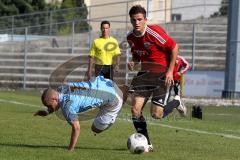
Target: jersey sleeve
<point>68,115</point>
<point>170,44</point>
<point>71,117</point>
<point>164,39</point>
<point>117,49</point>
<point>184,65</point>
<point>93,50</point>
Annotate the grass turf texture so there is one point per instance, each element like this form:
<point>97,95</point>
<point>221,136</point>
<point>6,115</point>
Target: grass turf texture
<point>25,137</point>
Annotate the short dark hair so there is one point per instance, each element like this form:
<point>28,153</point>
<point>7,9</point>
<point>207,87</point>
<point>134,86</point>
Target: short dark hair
<point>137,9</point>
<point>105,22</point>
<point>44,95</point>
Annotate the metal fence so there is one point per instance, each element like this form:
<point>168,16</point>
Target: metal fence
<point>157,11</point>
<point>32,53</point>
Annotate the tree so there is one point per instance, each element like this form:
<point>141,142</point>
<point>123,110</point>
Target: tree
<point>7,9</point>
<point>26,13</point>
<point>223,10</point>
<point>77,12</point>
<point>16,8</point>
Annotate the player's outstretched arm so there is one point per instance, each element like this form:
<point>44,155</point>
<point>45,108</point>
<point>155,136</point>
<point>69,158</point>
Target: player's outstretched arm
<point>74,135</point>
<point>41,113</point>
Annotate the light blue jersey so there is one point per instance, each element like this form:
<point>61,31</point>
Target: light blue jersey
<point>78,97</point>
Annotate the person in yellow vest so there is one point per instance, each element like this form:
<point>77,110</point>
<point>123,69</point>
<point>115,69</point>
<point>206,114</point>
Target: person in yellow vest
<point>104,53</point>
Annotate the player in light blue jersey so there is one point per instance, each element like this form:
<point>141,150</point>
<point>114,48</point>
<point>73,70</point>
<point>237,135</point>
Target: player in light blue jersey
<point>75,98</point>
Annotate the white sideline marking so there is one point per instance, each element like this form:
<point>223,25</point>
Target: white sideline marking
<point>198,131</point>
<point>151,123</point>
<point>19,103</point>
<point>192,130</point>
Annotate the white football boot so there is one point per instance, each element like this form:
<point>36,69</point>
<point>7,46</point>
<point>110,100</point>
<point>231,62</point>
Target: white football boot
<point>149,148</point>
<point>181,108</point>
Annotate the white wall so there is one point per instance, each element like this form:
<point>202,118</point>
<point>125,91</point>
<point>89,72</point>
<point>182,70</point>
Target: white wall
<point>117,11</point>
<point>202,8</point>
<point>203,84</point>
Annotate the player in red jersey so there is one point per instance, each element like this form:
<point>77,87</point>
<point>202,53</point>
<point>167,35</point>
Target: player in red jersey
<point>180,68</point>
<point>156,51</point>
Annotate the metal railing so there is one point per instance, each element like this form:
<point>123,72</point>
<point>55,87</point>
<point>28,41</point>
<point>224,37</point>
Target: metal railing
<point>202,43</point>
<point>102,11</point>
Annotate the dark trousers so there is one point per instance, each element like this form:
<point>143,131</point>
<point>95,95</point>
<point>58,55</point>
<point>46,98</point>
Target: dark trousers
<point>104,70</point>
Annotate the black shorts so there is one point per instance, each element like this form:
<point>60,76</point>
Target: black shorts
<point>104,70</point>
<point>147,84</point>
<point>176,88</point>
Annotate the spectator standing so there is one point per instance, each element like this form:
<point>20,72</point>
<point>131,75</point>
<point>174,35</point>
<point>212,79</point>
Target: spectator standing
<point>103,52</point>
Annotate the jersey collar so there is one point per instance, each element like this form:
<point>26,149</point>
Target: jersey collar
<point>142,33</point>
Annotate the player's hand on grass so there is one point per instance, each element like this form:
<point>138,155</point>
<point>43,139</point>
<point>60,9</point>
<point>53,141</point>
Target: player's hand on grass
<point>41,113</point>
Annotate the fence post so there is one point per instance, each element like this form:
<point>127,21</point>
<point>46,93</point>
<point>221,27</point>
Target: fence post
<point>50,26</point>
<point>126,67</point>
<point>193,46</point>
<point>25,59</point>
<point>126,18</point>
<point>127,52</point>
<point>73,31</point>
<point>12,28</point>
<point>166,27</point>
<point>89,29</point>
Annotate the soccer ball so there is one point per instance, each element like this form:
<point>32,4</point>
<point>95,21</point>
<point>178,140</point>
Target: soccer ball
<point>137,143</point>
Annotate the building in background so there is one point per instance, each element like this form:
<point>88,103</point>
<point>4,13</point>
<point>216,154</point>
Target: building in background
<point>157,11</point>
<point>192,9</point>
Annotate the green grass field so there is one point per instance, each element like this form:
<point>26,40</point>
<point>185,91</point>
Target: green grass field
<point>25,137</point>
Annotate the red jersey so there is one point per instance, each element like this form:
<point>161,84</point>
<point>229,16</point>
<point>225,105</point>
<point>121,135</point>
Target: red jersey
<point>154,46</point>
<point>181,66</point>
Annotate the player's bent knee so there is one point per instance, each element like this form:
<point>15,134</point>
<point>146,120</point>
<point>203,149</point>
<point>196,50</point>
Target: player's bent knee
<point>99,127</point>
<point>136,112</point>
<point>96,130</point>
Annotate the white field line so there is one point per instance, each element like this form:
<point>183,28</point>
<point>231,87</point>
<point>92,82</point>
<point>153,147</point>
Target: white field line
<point>151,123</point>
<point>199,131</point>
<point>191,130</point>
<point>19,103</point>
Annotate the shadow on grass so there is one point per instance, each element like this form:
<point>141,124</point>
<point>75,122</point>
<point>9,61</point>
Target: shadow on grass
<point>58,147</point>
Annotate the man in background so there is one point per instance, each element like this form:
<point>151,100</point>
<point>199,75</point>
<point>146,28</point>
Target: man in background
<point>103,52</point>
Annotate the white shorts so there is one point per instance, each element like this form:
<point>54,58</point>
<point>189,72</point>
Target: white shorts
<point>108,114</point>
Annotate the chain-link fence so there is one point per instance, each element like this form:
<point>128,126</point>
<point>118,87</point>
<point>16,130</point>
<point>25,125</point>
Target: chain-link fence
<point>30,54</point>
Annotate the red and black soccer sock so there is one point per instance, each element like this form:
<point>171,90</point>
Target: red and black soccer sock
<point>169,107</point>
<point>141,126</point>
